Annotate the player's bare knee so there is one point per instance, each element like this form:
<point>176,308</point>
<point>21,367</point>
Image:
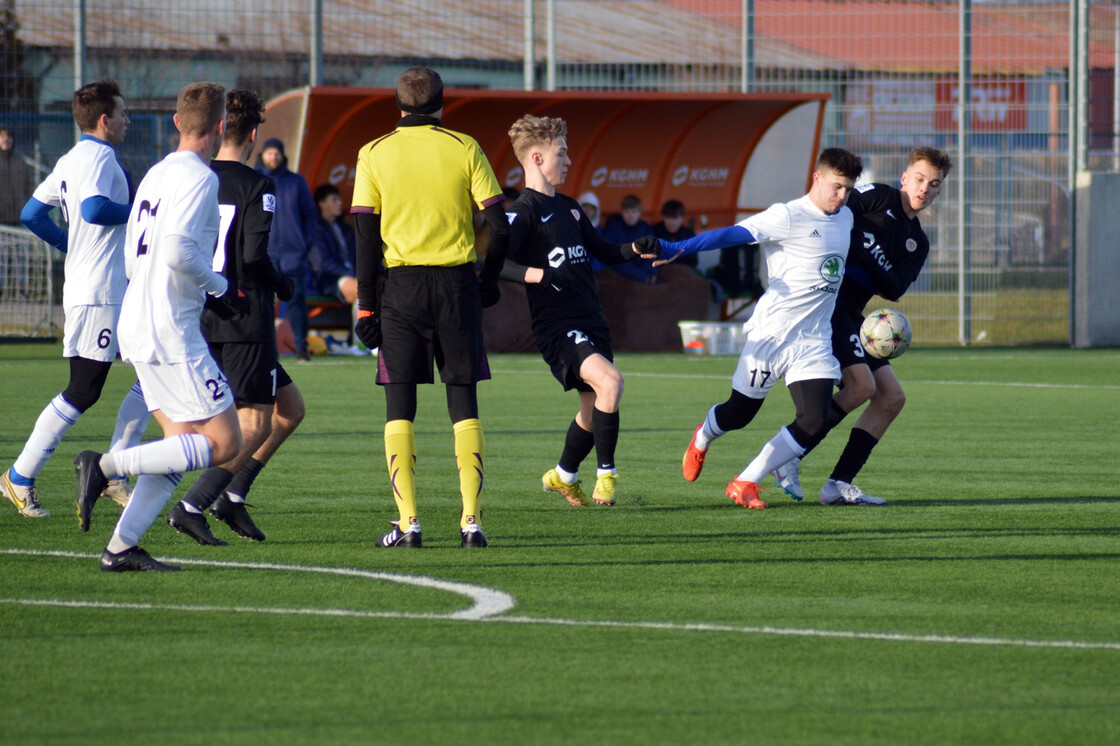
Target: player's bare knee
<point>891,401</point>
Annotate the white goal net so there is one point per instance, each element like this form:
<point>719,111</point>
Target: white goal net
<point>27,303</point>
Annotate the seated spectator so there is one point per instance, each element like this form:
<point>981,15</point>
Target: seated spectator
<point>590,204</point>
<point>672,228</point>
<point>627,227</point>
<point>332,254</point>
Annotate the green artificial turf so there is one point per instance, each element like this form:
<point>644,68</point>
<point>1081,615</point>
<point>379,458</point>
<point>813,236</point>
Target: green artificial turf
<point>981,605</point>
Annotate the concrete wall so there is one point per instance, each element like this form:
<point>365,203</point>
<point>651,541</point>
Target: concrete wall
<point>1096,299</point>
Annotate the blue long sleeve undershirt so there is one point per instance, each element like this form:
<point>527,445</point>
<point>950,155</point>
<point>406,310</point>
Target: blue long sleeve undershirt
<point>101,210</point>
<point>719,238</point>
<point>36,216</point>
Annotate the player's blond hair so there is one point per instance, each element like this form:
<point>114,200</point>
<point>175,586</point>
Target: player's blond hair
<point>530,131</point>
<point>936,157</point>
<point>200,107</point>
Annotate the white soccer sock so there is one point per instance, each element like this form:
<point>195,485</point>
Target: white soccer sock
<point>781,449</point>
<point>567,477</point>
<point>58,417</point>
<point>177,454</point>
<point>709,431</point>
<point>132,420</point>
<point>149,496</point>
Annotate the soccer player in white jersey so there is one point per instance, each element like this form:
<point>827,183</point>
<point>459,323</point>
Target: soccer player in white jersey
<point>169,250</point>
<point>789,335</point>
<point>91,189</point>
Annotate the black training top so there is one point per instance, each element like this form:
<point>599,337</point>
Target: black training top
<point>889,248</point>
<point>552,232</point>
<point>246,200</point>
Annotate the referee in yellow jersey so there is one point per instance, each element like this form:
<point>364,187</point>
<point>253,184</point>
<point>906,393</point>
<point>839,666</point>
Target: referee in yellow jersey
<point>414,194</point>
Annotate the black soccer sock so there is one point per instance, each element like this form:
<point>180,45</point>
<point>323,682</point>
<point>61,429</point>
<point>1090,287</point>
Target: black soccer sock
<point>605,432</point>
<point>577,444</point>
<point>243,480</point>
<point>208,488</point>
<point>855,455</point>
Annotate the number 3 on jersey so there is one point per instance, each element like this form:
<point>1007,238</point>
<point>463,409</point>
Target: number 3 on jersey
<point>144,217</point>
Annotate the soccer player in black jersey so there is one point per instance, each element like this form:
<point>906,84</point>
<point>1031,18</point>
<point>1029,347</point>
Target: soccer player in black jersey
<point>269,406</point>
<point>551,241</point>
<point>894,250</point>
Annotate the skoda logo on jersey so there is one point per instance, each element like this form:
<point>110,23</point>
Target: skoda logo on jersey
<point>832,269</point>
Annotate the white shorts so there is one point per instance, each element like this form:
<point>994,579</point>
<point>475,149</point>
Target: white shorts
<point>185,392</point>
<point>764,361</point>
<point>91,332</point>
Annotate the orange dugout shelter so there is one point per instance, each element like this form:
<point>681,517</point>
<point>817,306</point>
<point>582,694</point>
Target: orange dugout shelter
<point>724,155</point>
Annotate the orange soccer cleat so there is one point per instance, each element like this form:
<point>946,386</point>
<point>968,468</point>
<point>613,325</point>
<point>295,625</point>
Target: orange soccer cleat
<point>745,493</point>
<point>693,461</point>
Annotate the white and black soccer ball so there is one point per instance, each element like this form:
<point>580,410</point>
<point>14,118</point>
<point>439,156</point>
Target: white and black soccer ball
<point>885,333</point>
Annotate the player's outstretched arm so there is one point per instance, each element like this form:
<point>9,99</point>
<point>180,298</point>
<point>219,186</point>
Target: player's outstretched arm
<point>720,238</point>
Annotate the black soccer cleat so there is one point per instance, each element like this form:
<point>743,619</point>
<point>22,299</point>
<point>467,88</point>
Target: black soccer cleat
<point>236,517</point>
<point>397,538</point>
<point>91,481</point>
<point>473,537</point>
<point>133,559</point>
<point>193,525</point>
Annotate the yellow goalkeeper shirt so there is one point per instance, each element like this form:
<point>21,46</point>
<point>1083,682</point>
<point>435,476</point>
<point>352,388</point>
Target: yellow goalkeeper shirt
<point>424,181</point>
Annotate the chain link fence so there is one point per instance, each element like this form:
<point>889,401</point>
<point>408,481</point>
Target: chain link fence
<point>1040,82</point>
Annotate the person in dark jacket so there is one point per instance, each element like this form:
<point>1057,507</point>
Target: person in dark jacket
<point>293,234</point>
<point>626,227</point>
<point>332,254</point>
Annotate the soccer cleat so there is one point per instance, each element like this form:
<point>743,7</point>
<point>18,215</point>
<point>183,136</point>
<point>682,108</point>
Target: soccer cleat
<point>745,493</point>
<point>473,537</point>
<point>193,525</point>
<point>26,499</point>
<point>693,461</point>
<point>236,517</point>
<point>397,538</point>
<point>119,491</point>
<point>788,478</point>
<point>573,493</point>
<point>91,481</point>
<point>133,559</point>
<point>604,489</point>
<point>835,492</point>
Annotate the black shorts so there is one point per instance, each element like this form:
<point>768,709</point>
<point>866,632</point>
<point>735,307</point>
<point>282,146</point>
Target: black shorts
<point>431,313</point>
<point>845,340</point>
<point>253,372</point>
<point>565,348</point>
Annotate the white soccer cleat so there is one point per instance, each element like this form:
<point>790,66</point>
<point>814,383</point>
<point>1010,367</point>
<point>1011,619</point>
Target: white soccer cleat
<point>118,490</point>
<point>835,492</point>
<point>26,499</point>
<point>788,478</point>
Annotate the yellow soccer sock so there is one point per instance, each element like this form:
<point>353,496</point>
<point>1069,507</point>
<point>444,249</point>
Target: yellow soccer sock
<point>470,451</point>
<point>400,455</point>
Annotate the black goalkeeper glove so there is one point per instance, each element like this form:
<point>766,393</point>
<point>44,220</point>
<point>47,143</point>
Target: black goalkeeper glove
<point>647,245</point>
<point>228,305</point>
<point>285,288</point>
<point>549,276</point>
<point>368,328</point>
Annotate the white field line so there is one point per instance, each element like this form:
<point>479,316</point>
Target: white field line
<point>485,602</point>
<point>491,604</point>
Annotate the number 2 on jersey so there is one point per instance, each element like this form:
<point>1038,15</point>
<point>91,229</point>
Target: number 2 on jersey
<point>144,217</point>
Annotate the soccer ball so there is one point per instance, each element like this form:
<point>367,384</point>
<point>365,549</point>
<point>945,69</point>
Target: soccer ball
<point>885,333</point>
